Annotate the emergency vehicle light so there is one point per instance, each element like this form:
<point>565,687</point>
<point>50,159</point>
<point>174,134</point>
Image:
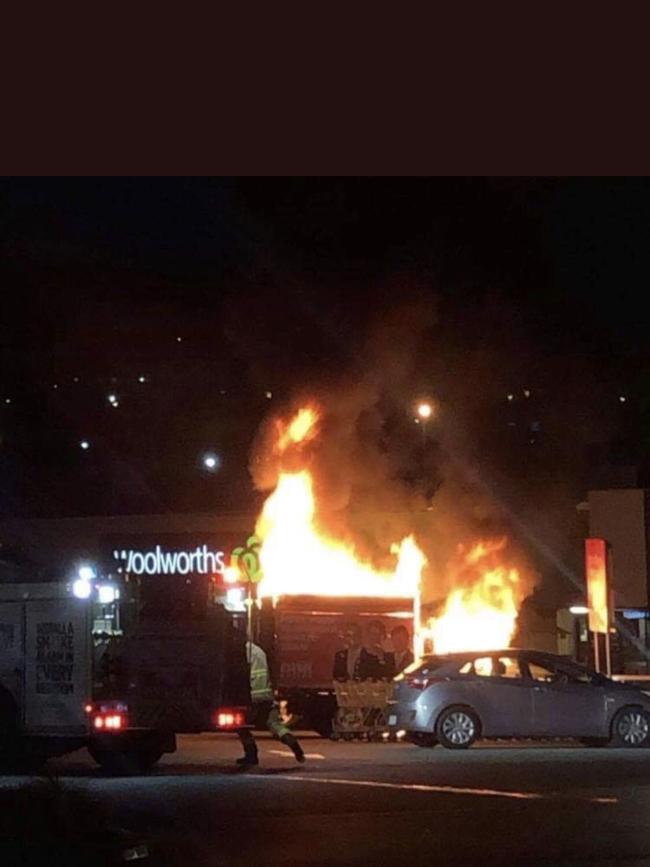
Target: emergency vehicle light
<point>112,721</point>
<point>229,718</point>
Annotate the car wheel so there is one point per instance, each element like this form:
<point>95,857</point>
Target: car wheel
<point>457,728</point>
<point>423,739</point>
<point>631,728</point>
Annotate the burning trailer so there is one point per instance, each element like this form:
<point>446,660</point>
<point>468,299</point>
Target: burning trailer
<point>308,584</point>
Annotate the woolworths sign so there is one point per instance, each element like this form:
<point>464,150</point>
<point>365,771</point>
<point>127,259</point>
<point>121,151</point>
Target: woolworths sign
<point>158,560</point>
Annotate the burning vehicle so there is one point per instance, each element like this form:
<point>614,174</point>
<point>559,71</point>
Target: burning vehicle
<point>307,584</point>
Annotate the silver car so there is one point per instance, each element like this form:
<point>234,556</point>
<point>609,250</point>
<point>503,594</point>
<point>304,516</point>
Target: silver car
<point>456,699</point>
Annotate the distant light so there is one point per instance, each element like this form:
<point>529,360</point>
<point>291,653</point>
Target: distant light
<point>179,340</point>
<point>268,395</point>
<point>111,398</point>
<point>106,594</point>
<point>7,400</point>
<point>622,398</point>
<point>86,573</point>
<point>115,404</point>
<point>84,444</point>
<point>526,392</point>
<point>511,396</point>
<point>142,379</point>
<point>56,385</point>
<point>82,588</point>
<point>425,410</point>
<point>416,420</point>
<point>579,609</point>
<point>211,461</point>
<point>76,379</point>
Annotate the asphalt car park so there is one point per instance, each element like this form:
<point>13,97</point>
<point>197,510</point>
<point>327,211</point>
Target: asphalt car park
<point>360,803</point>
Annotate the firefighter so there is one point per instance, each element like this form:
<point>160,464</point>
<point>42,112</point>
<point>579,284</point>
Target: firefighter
<point>264,707</point>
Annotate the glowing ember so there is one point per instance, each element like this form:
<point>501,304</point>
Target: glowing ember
<point>298,558</point>
<point>481,613</point>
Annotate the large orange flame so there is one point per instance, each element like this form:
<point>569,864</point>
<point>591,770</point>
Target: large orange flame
<point>481,612</point>
<point>297,558</point>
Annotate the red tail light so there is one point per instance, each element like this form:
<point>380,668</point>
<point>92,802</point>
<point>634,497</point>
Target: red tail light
<point>111,722</point>
<point>421,681</point>
<point>229,717</point>
<point>110,717</point>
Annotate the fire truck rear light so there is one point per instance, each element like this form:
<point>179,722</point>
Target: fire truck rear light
<point>110,721</point>
<point>229,718</point>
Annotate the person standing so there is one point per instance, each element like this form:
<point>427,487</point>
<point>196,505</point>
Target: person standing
<point>265,707</point>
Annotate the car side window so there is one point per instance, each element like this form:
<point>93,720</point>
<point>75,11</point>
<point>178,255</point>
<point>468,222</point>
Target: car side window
<point>547,673</point>
<point>493,666</point>
<point>541,673</point>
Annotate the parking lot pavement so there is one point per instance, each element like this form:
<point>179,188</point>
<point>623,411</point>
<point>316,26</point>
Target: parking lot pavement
<point>358,803</point>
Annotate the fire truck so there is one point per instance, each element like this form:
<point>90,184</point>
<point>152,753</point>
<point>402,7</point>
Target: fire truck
<point>119,668</point>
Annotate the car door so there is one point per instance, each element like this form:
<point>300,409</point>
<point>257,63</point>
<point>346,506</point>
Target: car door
<point>504,697</point>
<point>566,702</point>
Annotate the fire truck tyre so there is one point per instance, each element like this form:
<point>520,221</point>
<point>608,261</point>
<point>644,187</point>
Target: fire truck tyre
<point>128,763</point>
<point>423,739</point>
<point>457,727</point>
<point>631,728</point>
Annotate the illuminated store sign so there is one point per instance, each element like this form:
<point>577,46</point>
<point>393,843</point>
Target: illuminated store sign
<point>158,561</point>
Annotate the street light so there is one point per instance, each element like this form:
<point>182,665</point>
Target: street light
<point>211,462</point>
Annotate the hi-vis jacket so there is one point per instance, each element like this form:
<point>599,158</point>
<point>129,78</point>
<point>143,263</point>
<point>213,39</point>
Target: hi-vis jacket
<point>261,688</point>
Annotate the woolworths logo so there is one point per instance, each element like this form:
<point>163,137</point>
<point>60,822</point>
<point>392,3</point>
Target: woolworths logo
<point>158,561</point>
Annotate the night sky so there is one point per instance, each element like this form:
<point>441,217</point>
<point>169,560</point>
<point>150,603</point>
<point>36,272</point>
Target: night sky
<point>526,285</point>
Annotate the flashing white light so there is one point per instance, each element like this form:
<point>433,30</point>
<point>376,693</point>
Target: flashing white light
<point>179,340</point>
<point>82,588</point>
<point>55,385</point>
<point>526,392</point>
<point>84,444</point>
<point>86,573</point>
<point>622,398</point>
<point>111,398</point>
<point>268,395</point>
<point>106,594</point>
<point>510,396</point>
<point>235,599</point>
<point>231,575</point>
<point>425,410</point>
<point>142,379</point>
<point>579,609</point>
<point>7,400</point>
